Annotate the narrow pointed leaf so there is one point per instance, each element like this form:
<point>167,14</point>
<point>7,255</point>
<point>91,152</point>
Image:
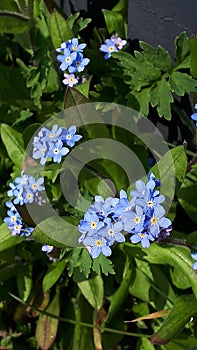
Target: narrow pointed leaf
<point>184,308</point>
<point>59,29</point>
<point>53,274</point>
<point>46,329</point>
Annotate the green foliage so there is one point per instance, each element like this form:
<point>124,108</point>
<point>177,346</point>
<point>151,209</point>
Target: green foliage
<point>152,79</point>
<point>66,299</point>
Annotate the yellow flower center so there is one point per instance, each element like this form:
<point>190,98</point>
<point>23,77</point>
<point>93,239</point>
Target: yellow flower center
<point>74,48</point>
<point>93,224</point>
<point>71,80</point>
<point>142,235</point>
<point>13,218</point>
<point>98,243</point>
<point>43,151</point>
<point>51,135</point>
<point>111,48</point>
<point>150,204</point>
<point>68,59</point>
<point>153,221</point>
<point>137,219</point>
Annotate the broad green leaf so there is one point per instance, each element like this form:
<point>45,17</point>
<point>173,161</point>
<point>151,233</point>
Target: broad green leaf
<point>171,169</point>
<point>164,99</point>
<point>145,344</point>
<point>121,7</point>
<point>180,281</point>
<point>175,256</point>
<point>92,290</point>
<point>53,274</point>
<point>24,281</point>
<point>187,194</point>
<point>14,144</point>
<point>6,239</point>
<point>46,329</point>
<point>13,22</point>
<point>139,100</point>
<point>159,57</point>
<point>59,29</point>
<point>114,23</point>
<point>58,232</point>
<point>193,51</point>
<point>10,5</point>
<point>184,308</point>
<point>181,83</point>
<point>182,48</point>
<point>121,293</point>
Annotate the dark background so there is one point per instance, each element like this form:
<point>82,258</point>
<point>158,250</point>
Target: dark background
<point>154,21</point>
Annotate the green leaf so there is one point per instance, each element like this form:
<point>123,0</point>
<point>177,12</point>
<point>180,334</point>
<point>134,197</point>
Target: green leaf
<point>178,279</point>
<point>181,83</point>
<point>14,144</point>
<point>121,293</point>
<point>159,57</point>
<point>84,87</point>
<point>175,256</point>
<point>102,264</point>
<point>85,262</point>
<point>184,308</point>
<point>139,100</point>
<point>92,290</point>
<point>164,99</point>
<point>193,51</point>
<point>182,48</point>
<point>53,274</point>
<point>13,22</point>
<point>114,23</point>
<point>24,115</point>
<point>58,232</point>
<point>6,239</point>
<point>12,91</point>
<point>24,282</point>
<point>10,5</point>
<point>59,29</point>
<point>46,329</point>
<point>187,194</point>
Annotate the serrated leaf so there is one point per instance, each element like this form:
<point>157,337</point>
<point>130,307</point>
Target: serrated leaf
<point>14,144</point>
<point>6,239</point>
<point>182,48</point>
<point>164,99</point>
<point>159,57</point>
<point>181,83</point>
<point>46,329</point>
<point>102,264</point>
<point>59,29</point>
<point>193,52</point>
<point>53,274</point>
<point>13,22</point>
<point>184,308</point>
<point>137,69</point>
<point>85,263</point>
<point>114,22</point>
<point>92,290</point>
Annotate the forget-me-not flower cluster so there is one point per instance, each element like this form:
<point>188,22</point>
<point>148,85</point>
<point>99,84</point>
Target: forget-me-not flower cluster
<point>50,143</point>
<point>142,217</point>
<point>113,44</point>
<point>26,189</point>
<point>14,222</point>
<point>72,60</point>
